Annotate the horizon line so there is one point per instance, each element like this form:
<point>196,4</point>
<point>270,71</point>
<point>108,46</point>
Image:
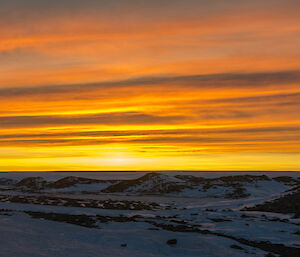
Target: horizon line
<point>78,171</point>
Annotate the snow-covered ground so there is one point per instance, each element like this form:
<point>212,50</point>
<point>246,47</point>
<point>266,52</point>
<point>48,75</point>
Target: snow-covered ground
<point>135,214</point>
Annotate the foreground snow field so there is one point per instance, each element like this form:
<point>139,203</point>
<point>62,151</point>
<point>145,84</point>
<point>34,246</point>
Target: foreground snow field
<point>141,214</point>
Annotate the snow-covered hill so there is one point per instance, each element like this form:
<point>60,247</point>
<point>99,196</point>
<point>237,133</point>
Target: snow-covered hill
<point>231,187</point>
<point>155,214</point>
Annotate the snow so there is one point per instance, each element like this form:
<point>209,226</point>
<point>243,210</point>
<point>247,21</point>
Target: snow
<point>31,237</point>
<point>28,237</point>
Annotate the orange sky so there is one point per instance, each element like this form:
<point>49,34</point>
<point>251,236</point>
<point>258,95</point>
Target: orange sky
<point>149,85</point>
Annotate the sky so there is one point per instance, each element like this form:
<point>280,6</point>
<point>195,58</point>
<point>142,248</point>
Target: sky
<point>149,85</point>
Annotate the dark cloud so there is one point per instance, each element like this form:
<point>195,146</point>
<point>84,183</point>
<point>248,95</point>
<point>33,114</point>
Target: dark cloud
<point>222,136</point>
<point>163,8</point>
<point>165,132</point>
<point>29,15</point>
<point>229,141</point>
<point>222,114</point>
<point>289,98</point>
<point>225,80</point>
<point>106,119</point>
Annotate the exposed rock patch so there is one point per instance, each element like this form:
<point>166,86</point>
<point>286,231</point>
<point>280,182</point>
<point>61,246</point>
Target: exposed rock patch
<point>7,182</point>
<point>80,220</point>
<point>72,181</point>
<point>286,204</point>
<point>34,183</point>
<point>151,183</point>
<point>172,241</point>
<point>86,203</point>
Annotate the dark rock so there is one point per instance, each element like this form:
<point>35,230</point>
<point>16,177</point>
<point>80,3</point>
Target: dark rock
<point>80,220</point>
<point>270,255</point>
<point>246,216</point>
<point>172,241</point>
<point>86,203</point>
<point>151,183</point>
<point>35,183</point>
<point>178,221</point>
<point>191,179</point>
<point>237,193</point>
<point>38,183</point>
<point>219,220</point>
<point>237,247</point>
<point>286,204</point>
<point>225,179</point>
<point>210,210</point>
<point>7,182</point>
<point>244,178</point>
<point>72,181</point>
<point>234,182</point>
<point>286,180</point>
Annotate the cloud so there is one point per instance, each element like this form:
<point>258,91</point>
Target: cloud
<point>100,119</point>
<point>270,99</point>
<point>284,138</point>
<point>160,132</point>
<point>231,143</point>
<point>225,80</point>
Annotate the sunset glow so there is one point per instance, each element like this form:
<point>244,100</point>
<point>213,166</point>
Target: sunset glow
<point>149,85</point>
